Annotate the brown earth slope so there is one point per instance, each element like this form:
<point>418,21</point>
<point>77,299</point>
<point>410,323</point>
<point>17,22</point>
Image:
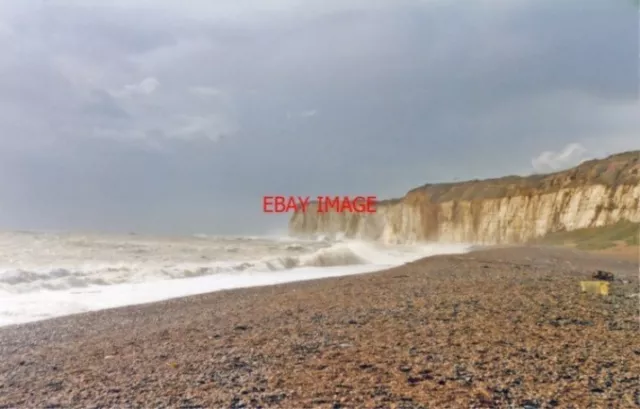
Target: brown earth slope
<point>620,240</point>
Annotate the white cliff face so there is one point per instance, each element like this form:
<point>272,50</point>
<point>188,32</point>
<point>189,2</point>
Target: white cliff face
<point>513,218</point>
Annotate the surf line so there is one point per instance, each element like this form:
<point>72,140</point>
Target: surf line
<point>323,204</point>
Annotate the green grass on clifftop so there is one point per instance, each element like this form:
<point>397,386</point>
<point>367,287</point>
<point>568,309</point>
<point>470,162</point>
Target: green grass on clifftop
<point>595,238</point>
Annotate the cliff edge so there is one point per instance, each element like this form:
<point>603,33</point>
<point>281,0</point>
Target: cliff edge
<point>505,210</point>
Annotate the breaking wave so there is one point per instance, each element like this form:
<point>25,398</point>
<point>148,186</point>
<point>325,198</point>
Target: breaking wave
<point>46,275</point>
<point>342,253</point>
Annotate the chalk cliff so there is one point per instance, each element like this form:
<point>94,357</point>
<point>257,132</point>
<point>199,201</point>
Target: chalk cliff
<point>511,209</point>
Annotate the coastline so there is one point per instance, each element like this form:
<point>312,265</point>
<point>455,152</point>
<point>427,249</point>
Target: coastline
<point>489,328</point>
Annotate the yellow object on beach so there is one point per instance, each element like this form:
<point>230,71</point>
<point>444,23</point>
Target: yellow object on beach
<point>595,287</point>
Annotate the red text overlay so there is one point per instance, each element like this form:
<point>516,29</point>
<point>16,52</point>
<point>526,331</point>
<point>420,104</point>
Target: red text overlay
<point>323,204</point>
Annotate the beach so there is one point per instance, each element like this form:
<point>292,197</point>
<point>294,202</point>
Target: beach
<point>504,327</point>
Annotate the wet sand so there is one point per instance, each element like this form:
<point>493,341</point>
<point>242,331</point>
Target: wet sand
<point>495,328</point>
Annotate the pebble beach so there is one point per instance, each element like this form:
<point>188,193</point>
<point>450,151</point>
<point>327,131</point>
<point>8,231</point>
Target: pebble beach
<point>494,328</point>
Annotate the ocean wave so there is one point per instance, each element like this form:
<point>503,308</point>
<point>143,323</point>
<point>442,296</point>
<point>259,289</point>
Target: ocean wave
<point>346,253</point>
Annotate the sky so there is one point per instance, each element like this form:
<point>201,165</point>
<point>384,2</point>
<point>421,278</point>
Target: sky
<point>177,117</point>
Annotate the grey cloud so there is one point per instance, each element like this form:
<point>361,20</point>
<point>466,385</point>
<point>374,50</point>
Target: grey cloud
<point>145,87</point>
<point>205,91</point>
<point>102,104</point>
<point>382,97</point>
<point>96,32</point>
<point>549,161</point>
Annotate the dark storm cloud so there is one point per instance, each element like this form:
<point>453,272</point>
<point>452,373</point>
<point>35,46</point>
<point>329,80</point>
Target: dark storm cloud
<point>150,116</point>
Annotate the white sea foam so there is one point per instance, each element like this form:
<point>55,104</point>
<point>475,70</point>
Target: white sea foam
<point>44,275</point>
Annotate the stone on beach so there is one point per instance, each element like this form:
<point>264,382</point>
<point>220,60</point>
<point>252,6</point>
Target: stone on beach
<point>496,328</point>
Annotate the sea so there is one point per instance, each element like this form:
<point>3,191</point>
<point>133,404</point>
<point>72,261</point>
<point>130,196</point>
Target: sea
<point>45,275</point>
